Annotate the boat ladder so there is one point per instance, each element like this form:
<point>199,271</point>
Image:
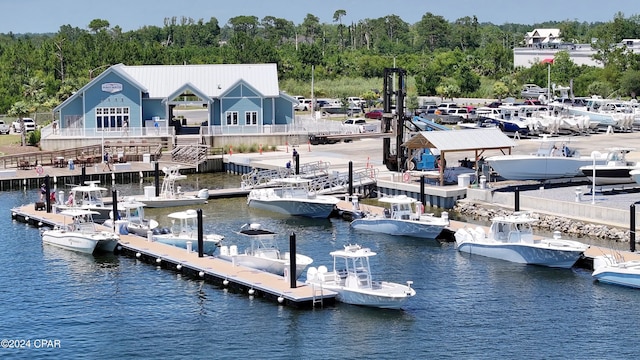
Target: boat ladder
<point>318,295</point>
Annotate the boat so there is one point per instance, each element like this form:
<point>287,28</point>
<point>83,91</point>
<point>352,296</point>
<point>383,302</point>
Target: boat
<point>615,169</point>
<point>512,118</point>
<point>635,175</point>
<point>292,196</point>
<point>553,160</point>
<point>87,197</point>
<point>80,234</point>
<point>510,238</point>
<point>352,281</point>
<point>131,214</point>
<point>184,233</point>
<point>170,194</point>
<point>613,270</point>
<point>401,219</point>
<point>263,253</point>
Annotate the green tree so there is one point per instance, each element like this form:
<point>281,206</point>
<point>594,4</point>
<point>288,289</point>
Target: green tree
<point>500,90</point>
<point>98,24</point>
<point>630,83</point>
<point>20,110</point>
<point>432,31</point>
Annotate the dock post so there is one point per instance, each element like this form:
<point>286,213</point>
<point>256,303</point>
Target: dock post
<point>632,227</point>
<point>200,239</point>
<point>292,261</point>
<point>422,189</point>
<point>47,196</point>
<point>156,175</point>
<point>83,174</point>
<point>517,199</point>
<point>350,178</point>
<point>114,205</point>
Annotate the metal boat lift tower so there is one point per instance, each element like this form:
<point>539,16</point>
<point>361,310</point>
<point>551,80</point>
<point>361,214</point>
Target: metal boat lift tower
<point>394,93</point>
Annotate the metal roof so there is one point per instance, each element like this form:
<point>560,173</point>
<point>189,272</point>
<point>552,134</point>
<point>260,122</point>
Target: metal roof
<point>461,140</point>
<point>160,81</point>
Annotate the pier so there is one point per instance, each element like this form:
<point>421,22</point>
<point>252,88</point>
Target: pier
<point>219,272</point>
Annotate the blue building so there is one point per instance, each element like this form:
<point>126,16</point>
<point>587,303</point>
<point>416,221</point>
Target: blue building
<point>140,100</point>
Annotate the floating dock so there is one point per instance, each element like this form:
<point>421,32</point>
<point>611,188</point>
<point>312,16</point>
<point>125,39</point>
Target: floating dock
<point>208,268</point>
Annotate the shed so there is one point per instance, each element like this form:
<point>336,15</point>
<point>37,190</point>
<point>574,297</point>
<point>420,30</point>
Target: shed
<point>477,140</point>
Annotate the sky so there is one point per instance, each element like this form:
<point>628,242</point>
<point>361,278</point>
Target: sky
<point>43,16</point>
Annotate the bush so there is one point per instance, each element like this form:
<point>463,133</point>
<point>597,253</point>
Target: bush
<point>33,138</point>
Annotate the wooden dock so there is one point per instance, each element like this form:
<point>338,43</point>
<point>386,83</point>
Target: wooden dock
<point>208,268</point>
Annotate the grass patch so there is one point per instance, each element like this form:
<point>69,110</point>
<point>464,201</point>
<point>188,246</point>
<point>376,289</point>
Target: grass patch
<point>10,139</point>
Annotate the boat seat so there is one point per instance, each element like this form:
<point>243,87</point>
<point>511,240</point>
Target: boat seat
<point>387,213</point>
<point>233,250</point>
<point>224,250</point>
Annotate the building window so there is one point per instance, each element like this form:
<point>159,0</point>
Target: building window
<point>251,118</point>
<point>111,118</point>
<point>232,118</point>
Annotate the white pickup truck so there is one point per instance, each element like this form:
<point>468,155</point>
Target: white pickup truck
<point>4,128</point>
<point>359,126</point>
<point>29,125</point>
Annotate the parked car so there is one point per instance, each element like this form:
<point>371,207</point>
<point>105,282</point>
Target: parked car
<point>426,109</point>
<point>356,101</point>
<point>374,114</point>
<point>458,114</point>
<point>320,103</point>
<point>29,125</point>
<point>443,108</point>
<point>532,91</point>
<point>304,105</point>
<point>4,128</point>
<point>360,126</point>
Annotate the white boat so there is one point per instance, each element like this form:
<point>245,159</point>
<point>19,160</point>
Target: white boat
<point>87,197</point>
<point>131,214</point>
<point>553,160</point>
<point>351,280</point>
<point>170,194</point>
<point>635,175</point>
<point>80,234</point>
<point>606,112</point>
<point>263,253</point>
<point>400,218</point>
<point>615,170</point>
<point>511,238</point>
<point>609,269</point>
<point>184,229</point>
<point>293,197</point>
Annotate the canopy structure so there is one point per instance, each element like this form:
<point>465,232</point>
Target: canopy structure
<point>478,140</point>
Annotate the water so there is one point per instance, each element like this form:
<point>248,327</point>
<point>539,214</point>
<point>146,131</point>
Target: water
<point>466,306</point>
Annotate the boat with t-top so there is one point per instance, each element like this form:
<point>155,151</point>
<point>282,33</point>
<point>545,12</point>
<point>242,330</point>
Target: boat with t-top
<point>79,233</point>
<point>263,252</point>
<point>293,196</point>
<point>184,232</point>
<point>171,194</point>
<point>351,279</point>
<point>403,216</point>
<point>511,238</point>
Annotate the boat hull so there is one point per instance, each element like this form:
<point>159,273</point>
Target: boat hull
<point>617,277</point>
<point>387,295</point>
<point>609,175</point>
<point>210,246</point>
<point>83,243</point>
<point>274,266</point>
<point>526,167</point>
<point>399,227</point>
<point>294,207</point>
<point>159,202</point>
<point>532,254</point>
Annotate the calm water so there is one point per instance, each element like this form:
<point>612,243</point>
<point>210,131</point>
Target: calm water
<point>465,307</point>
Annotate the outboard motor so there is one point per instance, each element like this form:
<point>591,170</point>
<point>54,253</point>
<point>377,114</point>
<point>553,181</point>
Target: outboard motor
<point>203,194</point>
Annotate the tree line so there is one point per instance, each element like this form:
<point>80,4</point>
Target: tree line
<point>465,57</point>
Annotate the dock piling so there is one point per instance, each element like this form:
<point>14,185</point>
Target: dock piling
<point>292,261</point>
<point>200,239</point>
